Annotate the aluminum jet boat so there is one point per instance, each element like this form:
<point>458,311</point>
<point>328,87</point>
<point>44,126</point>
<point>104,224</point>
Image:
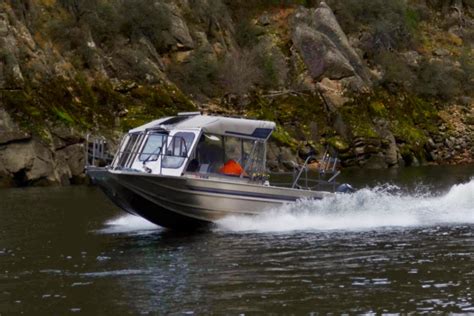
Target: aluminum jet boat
<point>190,170</point>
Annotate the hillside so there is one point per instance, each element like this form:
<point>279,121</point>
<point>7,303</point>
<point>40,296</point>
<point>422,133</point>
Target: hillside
<point>385,84</point>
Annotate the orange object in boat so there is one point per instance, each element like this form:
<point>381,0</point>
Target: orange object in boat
<point>231,167</point>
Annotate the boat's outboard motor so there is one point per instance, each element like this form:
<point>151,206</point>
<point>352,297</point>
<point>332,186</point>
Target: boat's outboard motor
<point>345,188</point>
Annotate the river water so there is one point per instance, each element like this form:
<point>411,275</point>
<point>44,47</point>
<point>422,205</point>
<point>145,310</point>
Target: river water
<point>404,242</point>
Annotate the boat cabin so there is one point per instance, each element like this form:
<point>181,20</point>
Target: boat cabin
<point>197,145</point>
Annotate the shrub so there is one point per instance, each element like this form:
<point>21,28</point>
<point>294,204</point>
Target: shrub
<point>198,75</point>
<point>23,10</point>
<point>145,18</point>
<point>66,32</point>
<point>206,11</point>
<point>467,68</point>
<point>79,8</point>
<point>396,71</point>
<point>272,65</point>
<point>239,72</point>
<point>437,79</point>
<point>444,5</point>
<point>105,23</point>
<point>390,22</point>
<point>247,33</point>
<point>246,6</point>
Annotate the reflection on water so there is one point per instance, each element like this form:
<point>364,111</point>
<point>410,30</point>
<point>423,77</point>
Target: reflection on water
<point>68,250</point>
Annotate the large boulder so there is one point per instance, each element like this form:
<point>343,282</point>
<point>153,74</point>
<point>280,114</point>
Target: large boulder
<point>325,48</point>
<point>28,162</point>
<point>70,162</point>
<point>178,31</point>
<point>320,54</point>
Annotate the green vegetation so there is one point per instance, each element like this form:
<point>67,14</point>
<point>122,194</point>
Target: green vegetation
<point>247,33</point>
<point>198,76</point>
<point>389,23</point>
<point>109,20</point>
<point>145,18</point>
<point>338,143</point>
<point>91,105</point>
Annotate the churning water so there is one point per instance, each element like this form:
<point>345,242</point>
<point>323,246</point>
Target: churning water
<point>128,224</point>
<point>377,208</point>
<point>382,207</point>
<point>384,249</point>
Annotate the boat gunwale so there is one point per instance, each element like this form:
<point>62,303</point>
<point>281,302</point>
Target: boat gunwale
<point>216,180</point>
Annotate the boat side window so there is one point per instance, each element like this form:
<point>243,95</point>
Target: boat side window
<point>237,149</point>
<point>178,149</point>
<point>153,146</point>
<point>257,158</point>
<point>210,153</point>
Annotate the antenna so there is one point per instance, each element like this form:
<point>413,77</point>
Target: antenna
<point>189,113</point>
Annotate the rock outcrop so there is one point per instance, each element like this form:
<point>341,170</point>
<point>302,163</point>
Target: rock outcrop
<point>26,160</point>
<point>325,47</point>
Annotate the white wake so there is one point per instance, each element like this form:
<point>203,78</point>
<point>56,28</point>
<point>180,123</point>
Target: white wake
<point>364,210</point>
<point>128,224</point>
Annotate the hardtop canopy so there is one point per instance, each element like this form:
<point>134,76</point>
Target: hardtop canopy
<point>219,125</point>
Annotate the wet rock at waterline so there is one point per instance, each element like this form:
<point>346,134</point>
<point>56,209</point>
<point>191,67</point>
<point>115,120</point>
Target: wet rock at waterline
<point>27,160</point>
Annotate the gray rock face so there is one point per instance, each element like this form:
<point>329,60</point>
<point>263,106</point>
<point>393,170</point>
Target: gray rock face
<point>178,28</point>
<point>3,24</point>
<point>332,92</point>
<point>320,54</point>
<point>25,160</point>
<point>324,47</point>
<point>70,163</point>
<point>9,131</point>
<point>280,158</point>
<point>19,58</point>
<point>11,75</point>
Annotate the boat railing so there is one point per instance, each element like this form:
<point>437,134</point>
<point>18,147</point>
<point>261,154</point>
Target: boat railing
<point>313,174</point>
<point>96,151</point>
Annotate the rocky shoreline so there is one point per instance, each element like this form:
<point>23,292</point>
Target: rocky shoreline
<point>26,160</point>
<point>380,99</point>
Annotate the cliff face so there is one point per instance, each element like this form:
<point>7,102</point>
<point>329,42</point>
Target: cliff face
<point>383,84</point>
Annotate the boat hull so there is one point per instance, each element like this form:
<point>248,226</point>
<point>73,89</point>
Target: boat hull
<point>188,203</point>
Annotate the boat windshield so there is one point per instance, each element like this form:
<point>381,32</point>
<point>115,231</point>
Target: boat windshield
<point>153,146</point>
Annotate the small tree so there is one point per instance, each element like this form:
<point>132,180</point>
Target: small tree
<point>389,22</point>
<point>239,72</point>
<point>272,64</point>
<point>105,23</point>
<point>198,75</point>
<point>79,8</point>
<point>438,80</point>
<point>145,18</point>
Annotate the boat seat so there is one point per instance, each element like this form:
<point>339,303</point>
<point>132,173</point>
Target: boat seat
<point>204,168</point>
